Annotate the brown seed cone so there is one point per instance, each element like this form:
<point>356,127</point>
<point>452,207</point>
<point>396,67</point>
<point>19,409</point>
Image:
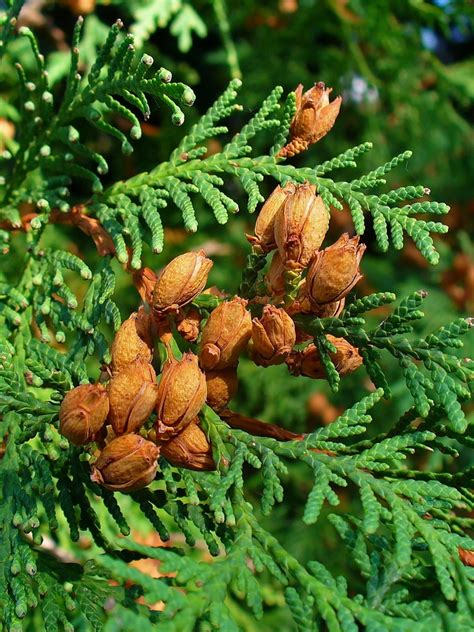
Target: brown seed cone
<point>132,393</point>
<point>275,277</point>
<point>308,361</point>
<point>181,394</point>
<point>188,324</point>
<point>221,387</point>
<point>313,119</point>
<point>273,336</point>
<point>347,358</point>
<point>225,335</point>
<point>264,239</point>
<point>181,281</point>
<point>132,341</point>
<point>334,271</point>
<point>190,449</point>
<point>126,464</point>
<point>300,227</point>
<point>83,413</point>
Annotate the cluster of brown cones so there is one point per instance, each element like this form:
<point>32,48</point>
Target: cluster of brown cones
<point>302,279</point>
<point>116,415</point>
<point>132,417</point>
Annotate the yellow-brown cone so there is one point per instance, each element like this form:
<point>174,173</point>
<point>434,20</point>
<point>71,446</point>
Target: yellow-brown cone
<point>334,271</point>
<point>83,413</point>
<point>273,336</point>
<point>275,277</point>
<point>126,464</point>
<point>181,394</point>
<point>308,361</point>
<point>300,227</point>
<point>264,239</point>
<point>181,281</point>
<point>190,449</point>
<point>347,358</point>
<point>221,387</point>
<point>132,341</point>
<point>132,393</point>
<point>188,325</point>
<point>313,119</point>
<point>225,335</point>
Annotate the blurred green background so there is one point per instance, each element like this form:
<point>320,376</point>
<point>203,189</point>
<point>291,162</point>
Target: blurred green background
<point>406,74</point>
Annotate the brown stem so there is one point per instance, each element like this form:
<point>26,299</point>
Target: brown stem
<point>258,428</point>
<point>264,429</point>
<point>76,216</point>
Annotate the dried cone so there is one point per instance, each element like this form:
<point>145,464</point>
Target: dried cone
<point>308,361</point>
<point>83,413</point>
<point>264,239</point>
<point>225,335</point>
<point>300,227</point>
<point>313,119</point>
<point>126,464</point>
<point>181,281</point>
<point>188,325</point>
<point>273,336</point>
<point>181,394</point>
<point>275,277</point>
<point>221,387</point>
<point>190,449</point>
<point>132,341</point>
<point>132,393</point>
<point>334,271</point>
<point>347,358</point>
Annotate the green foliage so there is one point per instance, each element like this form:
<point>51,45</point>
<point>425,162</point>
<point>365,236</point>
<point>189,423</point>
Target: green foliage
<point>449,376</point>
<point>404,526</point>
<point>49,140</point>
<point>188,172</point>
<point>182,18</point>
